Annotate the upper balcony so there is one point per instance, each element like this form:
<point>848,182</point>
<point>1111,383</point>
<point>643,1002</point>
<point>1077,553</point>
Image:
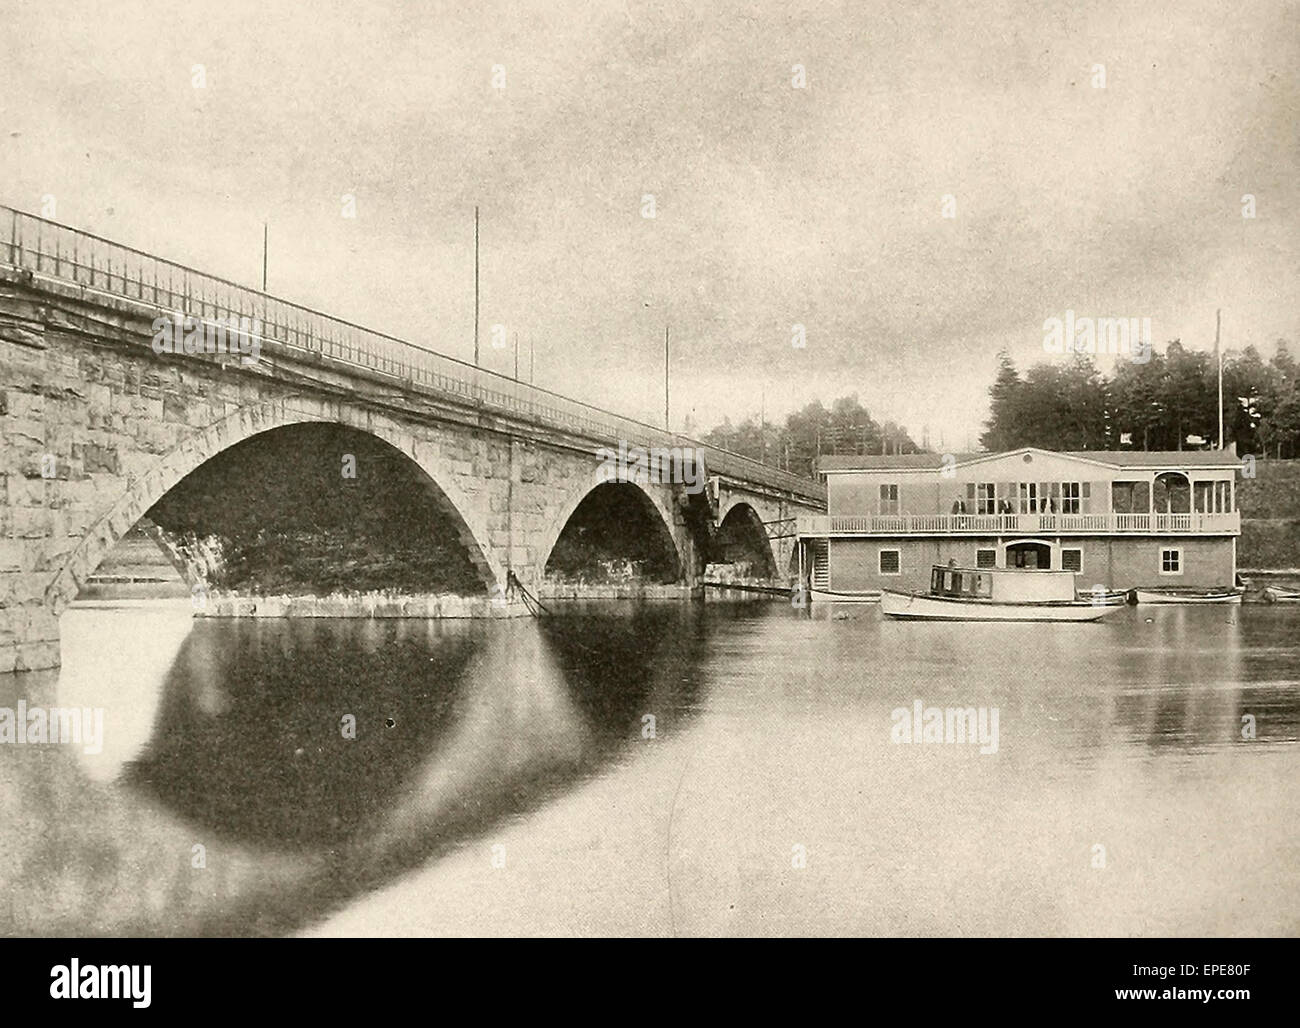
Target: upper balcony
<point>1227,524</point>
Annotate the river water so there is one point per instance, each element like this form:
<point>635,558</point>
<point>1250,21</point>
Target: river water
<point>708,768</point>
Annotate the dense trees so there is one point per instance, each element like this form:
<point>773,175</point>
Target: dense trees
<point>1167,403</point>
<point>846,427</point>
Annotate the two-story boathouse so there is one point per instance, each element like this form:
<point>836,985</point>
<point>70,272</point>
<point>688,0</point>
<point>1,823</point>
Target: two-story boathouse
<point>1118,519</point>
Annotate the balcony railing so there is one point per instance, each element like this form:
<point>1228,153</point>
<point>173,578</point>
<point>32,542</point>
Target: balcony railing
<point>55,252</point>
<point>1022,524</point>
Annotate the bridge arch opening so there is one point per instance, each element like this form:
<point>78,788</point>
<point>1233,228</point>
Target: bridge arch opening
<point>144,563</point>
<point>742,542</point>
<point>616,532</point>
<point>309,508</point>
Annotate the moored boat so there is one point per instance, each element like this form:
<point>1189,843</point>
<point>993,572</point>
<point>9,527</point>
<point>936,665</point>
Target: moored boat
<point>997,594</point>
<point>1190,595</point>
<point>1276,594</point>
<point>834,596</point>
<point>1098,592</point>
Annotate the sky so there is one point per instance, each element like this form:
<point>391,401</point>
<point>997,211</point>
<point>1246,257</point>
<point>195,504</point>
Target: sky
<point>799,156</point>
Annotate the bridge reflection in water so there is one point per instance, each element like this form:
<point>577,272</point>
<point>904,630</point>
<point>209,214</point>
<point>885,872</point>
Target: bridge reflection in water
<point>772,730</point>
<point>240,750</point>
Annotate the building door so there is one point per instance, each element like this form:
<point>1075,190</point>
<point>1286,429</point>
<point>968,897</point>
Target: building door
<point>1036,556</point>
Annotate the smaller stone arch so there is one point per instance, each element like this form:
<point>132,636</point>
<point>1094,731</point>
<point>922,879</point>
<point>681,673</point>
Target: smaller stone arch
<point>741,533</point>
<point>588,486</point>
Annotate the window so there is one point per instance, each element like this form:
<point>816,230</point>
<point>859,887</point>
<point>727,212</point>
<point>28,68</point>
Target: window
<point>890,562</point>
<point>1028,497</point>
<point>1072,560</point>
<point>889,499</point>
<point>1071,497</point>
<point>1171,562</point>
<point>1130,497</point>
<point>1029,555</point>
<point>1171,493</point>
<point>985,500</point>
<point>1210,497</point>
<point>986,558</point>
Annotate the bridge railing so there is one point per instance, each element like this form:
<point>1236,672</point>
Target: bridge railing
<point>59,252</point>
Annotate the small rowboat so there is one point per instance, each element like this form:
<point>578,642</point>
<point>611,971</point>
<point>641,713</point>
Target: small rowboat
<point>996,594</point>
<point>833,596</point>
<point>1189,595</point>
<point>1274,594</point>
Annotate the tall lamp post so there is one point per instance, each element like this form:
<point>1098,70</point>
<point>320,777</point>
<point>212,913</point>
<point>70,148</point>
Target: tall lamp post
<point>667,427</point>
<point>476,285</point>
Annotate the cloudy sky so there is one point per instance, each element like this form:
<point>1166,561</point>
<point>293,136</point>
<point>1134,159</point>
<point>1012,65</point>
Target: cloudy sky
<point>774,205</point>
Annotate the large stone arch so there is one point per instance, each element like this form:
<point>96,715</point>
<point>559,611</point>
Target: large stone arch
<point>654,493</point>
<point>745,517</point>
<point>144,490</point>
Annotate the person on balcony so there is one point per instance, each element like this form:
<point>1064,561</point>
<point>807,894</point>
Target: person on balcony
<point>959,506</point>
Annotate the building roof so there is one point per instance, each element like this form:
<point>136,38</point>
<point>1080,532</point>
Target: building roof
<point>1115,458</point>
<point>890,462</point>
<point>1161,458</point>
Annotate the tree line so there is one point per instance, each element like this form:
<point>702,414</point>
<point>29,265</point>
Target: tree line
<point>1169,402</point>
<point>814,431</point>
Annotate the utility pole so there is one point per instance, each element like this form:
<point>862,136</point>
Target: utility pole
<point>476,285</point>
<point>530,360</point>
<point>264,256</point>
<point>516,356</point>
<point>1218,316</point>
<point>666,424</point>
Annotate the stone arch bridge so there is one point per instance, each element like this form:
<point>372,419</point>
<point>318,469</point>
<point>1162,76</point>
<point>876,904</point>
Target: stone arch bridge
<point>98,426</point>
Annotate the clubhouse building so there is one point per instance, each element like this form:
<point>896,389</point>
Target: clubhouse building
<point>1119,519</point>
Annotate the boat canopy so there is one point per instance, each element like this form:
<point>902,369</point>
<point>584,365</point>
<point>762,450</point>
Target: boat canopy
<point>1004,585</point>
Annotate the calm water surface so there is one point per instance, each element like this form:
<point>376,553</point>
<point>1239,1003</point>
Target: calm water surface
<point>719,768</point>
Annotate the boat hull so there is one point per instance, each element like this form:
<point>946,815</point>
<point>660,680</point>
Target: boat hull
<point>916,607</point>
<point>1146,596</point>
<point>1275,595</point>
